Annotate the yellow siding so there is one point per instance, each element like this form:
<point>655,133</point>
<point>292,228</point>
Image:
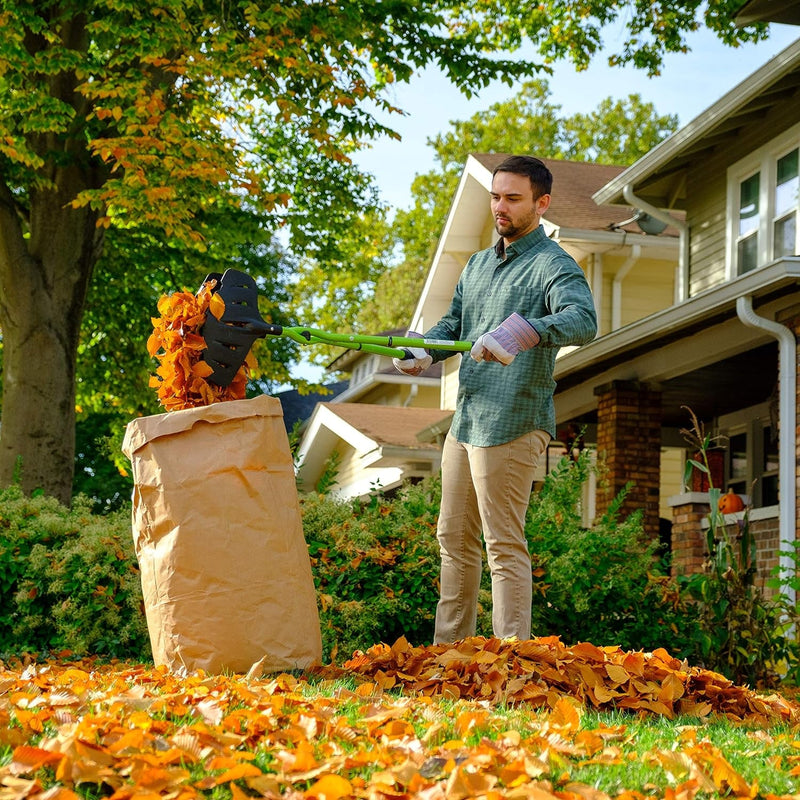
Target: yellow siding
<point>673,460</point>
<point>646,289</point>
<point>349,466</point>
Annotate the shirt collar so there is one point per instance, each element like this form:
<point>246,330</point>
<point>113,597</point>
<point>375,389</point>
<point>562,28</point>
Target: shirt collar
<point>527,242</point>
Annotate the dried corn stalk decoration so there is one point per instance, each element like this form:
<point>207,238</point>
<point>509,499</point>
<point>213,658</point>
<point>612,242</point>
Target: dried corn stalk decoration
<point>181,378</point>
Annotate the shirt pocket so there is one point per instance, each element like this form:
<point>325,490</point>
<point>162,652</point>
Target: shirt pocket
<point>525,300</point>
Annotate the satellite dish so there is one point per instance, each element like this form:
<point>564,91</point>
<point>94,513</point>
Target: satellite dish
<point>648,224</point>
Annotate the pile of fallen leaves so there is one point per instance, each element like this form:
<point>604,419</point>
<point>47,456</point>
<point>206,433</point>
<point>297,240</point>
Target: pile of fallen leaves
<point>538,672</point>
<point>130,732</point>
<point>181,379</point>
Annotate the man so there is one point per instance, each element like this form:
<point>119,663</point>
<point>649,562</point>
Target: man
<point>519,301</point>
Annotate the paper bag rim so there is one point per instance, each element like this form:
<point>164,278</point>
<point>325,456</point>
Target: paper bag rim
<point>140,431</point>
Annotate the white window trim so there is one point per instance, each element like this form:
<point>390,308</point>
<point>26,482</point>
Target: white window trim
<point>764,160</point>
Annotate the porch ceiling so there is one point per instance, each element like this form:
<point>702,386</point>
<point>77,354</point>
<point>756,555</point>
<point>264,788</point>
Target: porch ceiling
<point>737,382</point>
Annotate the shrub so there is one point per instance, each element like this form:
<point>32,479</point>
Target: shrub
<point>741,633</point>
<point>375,566</point>
<point>68,580</point>
<point>600,584</point>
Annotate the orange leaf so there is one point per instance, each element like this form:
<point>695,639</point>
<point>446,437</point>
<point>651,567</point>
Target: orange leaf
<point>28,759</point>
<point>330,787</point>
<point>216,306</point>
<point>237,772</point>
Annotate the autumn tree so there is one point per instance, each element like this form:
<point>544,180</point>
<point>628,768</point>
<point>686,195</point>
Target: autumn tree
<point>617,131</point>
<point>163,116</point>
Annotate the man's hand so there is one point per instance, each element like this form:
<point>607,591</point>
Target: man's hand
<point>513,335</point>
<point>417,359</point>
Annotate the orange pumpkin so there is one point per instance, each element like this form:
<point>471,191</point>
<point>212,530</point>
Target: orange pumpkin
<point>730,503</point>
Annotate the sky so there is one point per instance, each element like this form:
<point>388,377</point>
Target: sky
<point>689,83</point>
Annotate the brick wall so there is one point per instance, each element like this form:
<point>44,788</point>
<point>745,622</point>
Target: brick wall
<point>690,511</point>
<point>629,447</point>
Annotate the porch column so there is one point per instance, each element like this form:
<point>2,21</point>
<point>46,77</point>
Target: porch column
<point>629,447</point>
<point>791,319</point>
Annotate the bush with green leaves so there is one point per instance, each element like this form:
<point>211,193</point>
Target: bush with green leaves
<point>375,566</point>
<point>602,584</point>
<point>68,580</point>
<point>742,632</point>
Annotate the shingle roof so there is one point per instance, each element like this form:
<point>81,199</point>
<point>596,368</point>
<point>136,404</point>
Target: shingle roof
<point>298,406</point>
<point>574,183</point>
<point>389,425</point>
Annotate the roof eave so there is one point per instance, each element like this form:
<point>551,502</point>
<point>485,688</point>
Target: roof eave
<point>672,147</point>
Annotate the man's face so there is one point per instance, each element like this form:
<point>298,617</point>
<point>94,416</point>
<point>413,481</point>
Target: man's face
<point>514,208</point>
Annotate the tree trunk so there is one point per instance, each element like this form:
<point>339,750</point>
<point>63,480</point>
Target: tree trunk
<point>46,263</point>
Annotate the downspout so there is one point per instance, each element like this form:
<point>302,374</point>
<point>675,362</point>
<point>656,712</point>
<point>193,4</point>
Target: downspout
<point>787,347</point>
<point>412,393</point>
<point>682,283</point>
<point>597,286</point>
<point>616,286</point>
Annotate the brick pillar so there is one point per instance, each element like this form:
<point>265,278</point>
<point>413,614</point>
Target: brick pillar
<point>688,537</point>
<point>629,446</point>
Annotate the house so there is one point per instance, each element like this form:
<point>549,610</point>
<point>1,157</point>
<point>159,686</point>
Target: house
<point>368,431</point>
<point>727,348</point>
<point>632,273</point>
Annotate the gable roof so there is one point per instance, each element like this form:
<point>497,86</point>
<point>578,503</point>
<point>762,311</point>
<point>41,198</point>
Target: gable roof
<point>658,177</point>
<point>389,425</point>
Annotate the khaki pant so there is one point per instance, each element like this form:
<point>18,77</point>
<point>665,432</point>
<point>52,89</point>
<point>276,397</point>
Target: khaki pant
<point>488,489</point>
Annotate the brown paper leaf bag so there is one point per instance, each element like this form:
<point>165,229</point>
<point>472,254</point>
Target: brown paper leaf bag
<point>225,570</point>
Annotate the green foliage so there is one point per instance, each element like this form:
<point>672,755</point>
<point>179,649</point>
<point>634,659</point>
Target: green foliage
<point>375,566</point>
<point>599,584</point>
<point>100,474</point>
<point>68,580</point>
<point>742,632</point>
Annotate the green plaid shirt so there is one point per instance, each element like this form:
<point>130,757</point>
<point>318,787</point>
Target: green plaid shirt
<point>540,281</point>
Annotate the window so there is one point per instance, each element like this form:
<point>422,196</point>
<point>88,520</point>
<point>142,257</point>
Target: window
<point>751,455</point>
<point>764,204</point>
<point>747,245</point>
<point>786,194</point>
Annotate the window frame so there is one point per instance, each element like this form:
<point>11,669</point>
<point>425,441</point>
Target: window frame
<point>763,161</point>
<point>751,422</point>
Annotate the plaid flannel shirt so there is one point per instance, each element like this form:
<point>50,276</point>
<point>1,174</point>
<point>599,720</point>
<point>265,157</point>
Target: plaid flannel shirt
<point>536,278</point>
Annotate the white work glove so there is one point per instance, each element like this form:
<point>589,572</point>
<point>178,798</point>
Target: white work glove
<point>513,335</point>
<point>418,359</point>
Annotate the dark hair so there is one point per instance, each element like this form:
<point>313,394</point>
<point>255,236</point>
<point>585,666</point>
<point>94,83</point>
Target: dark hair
<point>540,177</point>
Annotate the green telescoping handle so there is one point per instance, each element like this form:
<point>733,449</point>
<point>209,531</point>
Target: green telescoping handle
<point>391,346</point>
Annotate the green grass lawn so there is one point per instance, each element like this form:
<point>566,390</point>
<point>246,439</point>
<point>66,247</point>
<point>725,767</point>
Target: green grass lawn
<point>90,730</point>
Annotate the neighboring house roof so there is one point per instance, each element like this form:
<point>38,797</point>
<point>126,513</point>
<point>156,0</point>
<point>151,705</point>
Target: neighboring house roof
<point>574,183</point>
<point>389,425</point>
<point>384,439</point>
<point>659,177</point>
<point>298,406</point>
